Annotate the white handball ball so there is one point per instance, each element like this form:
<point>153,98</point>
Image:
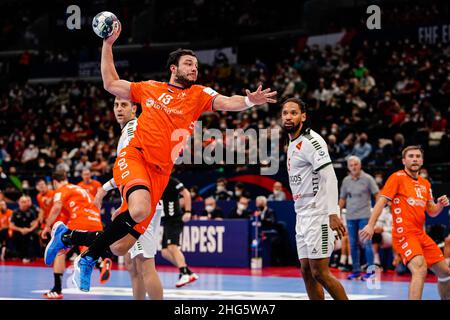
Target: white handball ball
<point>104,23</point>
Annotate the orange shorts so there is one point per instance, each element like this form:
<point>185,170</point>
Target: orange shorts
<point>131,170</point>
<point>418,243</point>
<point>84,224</point>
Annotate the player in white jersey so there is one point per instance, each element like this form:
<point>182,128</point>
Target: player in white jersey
<point>140,259</point>
<point>314,188</point>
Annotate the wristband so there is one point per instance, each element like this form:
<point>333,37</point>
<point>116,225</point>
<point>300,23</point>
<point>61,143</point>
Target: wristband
<point>248,102</point>
<point>187,211</point>
<point>108,186</point>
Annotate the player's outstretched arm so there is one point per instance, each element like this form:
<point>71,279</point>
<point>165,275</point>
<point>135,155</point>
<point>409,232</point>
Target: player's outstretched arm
<point>368,230</point>
<point>239,103</point>
<point>434,209</point>
<point>111,81</point>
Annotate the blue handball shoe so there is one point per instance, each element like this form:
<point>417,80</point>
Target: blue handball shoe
<point>83,267</point>
<point>56,244</point>
<point>354,276</point>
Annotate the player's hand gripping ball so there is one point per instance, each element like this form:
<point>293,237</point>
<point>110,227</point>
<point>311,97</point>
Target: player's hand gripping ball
<point>104,24</point>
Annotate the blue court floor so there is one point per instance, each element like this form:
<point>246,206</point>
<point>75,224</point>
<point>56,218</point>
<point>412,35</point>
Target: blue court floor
<point>30,282</point>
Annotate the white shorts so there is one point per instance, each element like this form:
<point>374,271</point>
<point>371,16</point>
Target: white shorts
<point>147,243</point>
<point>315,238</point>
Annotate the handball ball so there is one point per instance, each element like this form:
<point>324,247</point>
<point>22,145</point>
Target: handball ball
<point>104,23</point>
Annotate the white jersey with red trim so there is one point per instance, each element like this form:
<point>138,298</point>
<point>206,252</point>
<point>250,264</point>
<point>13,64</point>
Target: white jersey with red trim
<point>307,154</point>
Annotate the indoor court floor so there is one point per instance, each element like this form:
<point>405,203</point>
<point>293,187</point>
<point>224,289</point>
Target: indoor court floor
<point>30,281</point>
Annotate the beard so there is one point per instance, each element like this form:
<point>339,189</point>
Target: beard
<point>292,129</point>
<point>183,80</point>
<point>414,169</point>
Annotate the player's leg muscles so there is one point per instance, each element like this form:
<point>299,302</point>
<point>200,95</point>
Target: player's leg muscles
<point>418,268</point>
<point>442,271</point>
<point>136,280</point>
<point>147,270</point>
<point>313,287</point>
<point>322,274</point>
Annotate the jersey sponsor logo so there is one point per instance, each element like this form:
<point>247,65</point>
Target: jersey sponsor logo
<point>321,153</point>
<point>295,180</point>
<point>210,91</point>
<point>149,102</point>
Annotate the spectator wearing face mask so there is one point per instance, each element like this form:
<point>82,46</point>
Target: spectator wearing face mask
<point>194,194</point>
<point>266,214</point>
<point>221,190</point>
<point>362,148</point>
<point>239,191</point>
<point>241,211</point>
<point>278,193</point>
<point>212,211</point>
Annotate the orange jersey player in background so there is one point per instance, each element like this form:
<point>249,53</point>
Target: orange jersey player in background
<point>45,202</point>
<point>5,215</point>
<point>83,214</point>
<point>411,196</point>
<point>89,184</point>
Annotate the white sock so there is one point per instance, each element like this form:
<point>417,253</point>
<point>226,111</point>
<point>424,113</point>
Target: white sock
<point>376,258</point>
<point>350,261</point>
<point>343,259</point>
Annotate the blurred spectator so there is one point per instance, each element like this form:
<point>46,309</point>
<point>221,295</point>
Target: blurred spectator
<point>362,148</point>
<point>266,214</point>
<point>30,153</point>
<point>194,194</point>
<point>241,210</point>
<point>23,223</point>
<point>379,179</point>
<point>61,165</point>
<point>212,211</point>
<point>5,215</point>
<point>83,164</point>
<point>221,190</point>
<point>278,193</point>
<point>89,184</point>
<point>100,165</point>
<point>42,168</point>
<point>333,148</point>
<point>239,191</point>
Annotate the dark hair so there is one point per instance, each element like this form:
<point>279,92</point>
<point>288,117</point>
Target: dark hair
<point>174,56</point>
<point>299,102</point>
<point>59,176</point>
<point>408,148</point>
<point>41,179</point>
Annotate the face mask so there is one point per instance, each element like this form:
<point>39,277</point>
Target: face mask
<point>241,207</point>
<point>209,209</point>
<point>193,195</point>
<point>333,130</point>
<point>220,188</point>
<point>238,193</point>
<point>424,175</point>
<point>379,180</point>
<point>323,132</point>
<point>387,98</point>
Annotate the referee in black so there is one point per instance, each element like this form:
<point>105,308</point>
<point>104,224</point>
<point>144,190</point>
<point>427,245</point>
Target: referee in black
<point>173,220</point>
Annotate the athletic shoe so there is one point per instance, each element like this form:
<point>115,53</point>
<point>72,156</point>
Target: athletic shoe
<point>185,279</point>
<point>83,267</point>
<point>354,276</point>
<point>105,273</point>
<point>53,295</point>
<point>367,276</point>
<point>56,244</point>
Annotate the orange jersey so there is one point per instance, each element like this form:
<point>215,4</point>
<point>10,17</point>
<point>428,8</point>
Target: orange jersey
<point>45,202</point>
<point>90,187</point>
<point>83,214</point>
<point>165,108</point>
<point>4,218</point>
<point>409,198</point>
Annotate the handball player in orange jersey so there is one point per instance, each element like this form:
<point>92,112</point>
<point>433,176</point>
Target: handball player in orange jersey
<point>142,169</point>
<point>77,205</point>
<point>411,196</point>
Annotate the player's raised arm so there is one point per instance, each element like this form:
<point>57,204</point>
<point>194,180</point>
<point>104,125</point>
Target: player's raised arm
<point>239,103</point>
<point>111,81</point>
<point>434,209</point>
